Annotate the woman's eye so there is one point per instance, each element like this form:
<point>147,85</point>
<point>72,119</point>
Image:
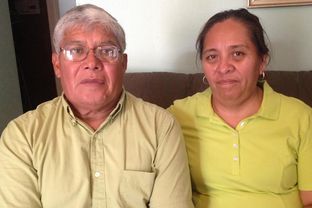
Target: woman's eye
<point>210,57</point>
<point>238,53</point>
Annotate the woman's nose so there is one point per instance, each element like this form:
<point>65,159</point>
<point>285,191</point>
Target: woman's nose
<point>225,66</point>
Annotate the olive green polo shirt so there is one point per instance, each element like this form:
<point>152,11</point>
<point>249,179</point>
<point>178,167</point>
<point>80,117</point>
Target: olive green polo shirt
<point>261,163</point>
<point>136,159</point>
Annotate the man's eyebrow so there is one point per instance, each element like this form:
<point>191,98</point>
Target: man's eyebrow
<point>75,42</point>
<point>109,42</point>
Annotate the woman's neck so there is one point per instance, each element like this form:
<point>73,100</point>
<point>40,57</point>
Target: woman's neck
<point>234,111</point>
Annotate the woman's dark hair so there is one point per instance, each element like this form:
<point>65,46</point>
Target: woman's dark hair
<point>251,21</point>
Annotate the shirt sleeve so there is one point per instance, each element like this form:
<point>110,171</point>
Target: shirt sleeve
<point>172,188</point>
<point>305,154</point>
<point>18,177</point>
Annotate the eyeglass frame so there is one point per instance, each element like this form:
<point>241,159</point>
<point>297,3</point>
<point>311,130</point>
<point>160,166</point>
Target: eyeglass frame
<point>67,53</point>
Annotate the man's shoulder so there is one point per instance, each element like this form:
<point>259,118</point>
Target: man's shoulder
<point>148,117</point>
<point>143,107</point>
<point>34,120</point>
<point>42,110</point>
<point>139,102</point>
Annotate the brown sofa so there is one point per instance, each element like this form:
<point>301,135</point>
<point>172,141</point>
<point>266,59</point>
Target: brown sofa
<point>162,88</point>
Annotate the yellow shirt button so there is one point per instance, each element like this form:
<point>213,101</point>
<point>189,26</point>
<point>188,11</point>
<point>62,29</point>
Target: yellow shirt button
<point>97,174</point>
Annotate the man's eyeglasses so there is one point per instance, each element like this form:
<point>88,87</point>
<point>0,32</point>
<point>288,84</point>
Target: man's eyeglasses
<point>108,54</point>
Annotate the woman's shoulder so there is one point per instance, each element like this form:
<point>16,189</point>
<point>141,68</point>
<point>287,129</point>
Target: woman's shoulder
<point>189,105</point>
<point>288,104</point>
<point>192,100</point>
<point>294,104</point>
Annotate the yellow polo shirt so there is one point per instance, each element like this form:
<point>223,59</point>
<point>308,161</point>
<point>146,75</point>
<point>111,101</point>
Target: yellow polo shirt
<point>259,164</point>
<point>136,159</point>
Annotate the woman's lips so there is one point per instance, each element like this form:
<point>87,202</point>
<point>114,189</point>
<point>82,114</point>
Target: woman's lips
<point>227,82</point>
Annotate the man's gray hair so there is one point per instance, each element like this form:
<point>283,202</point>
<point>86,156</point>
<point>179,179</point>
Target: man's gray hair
<point>86,16</point>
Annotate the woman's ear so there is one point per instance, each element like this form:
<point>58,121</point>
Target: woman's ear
<point>266,59</point>
<point>56,64</point>
<point>264,62</point>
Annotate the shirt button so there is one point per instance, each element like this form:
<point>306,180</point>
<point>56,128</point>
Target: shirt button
<point>235,146</point>
<point>235,135</point>
<point>74,122</point>
<point>235,158</point>
<point>97,174</point>
<point>242,124</point>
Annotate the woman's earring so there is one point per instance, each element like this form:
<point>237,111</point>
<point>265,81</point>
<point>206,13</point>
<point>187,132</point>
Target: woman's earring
<point>205,81</point>
<point>262,77</point>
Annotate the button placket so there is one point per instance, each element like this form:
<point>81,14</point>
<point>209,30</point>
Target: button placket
<point>235,155</point>
<point>97,168</point>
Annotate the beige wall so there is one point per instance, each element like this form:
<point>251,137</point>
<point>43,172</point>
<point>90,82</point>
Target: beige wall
<point>10,98</point>
<point>161,34</point>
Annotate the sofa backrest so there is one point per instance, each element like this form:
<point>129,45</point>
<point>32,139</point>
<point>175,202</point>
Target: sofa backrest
<point>162,88</point>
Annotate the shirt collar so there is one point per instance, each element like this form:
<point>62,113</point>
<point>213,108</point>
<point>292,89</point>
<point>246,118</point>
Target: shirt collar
<point>270,106</point>
<point>119,105</point>
<point>204,106</point>
<point>111,116</point>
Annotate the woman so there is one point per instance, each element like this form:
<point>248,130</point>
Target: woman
<point>248,146</point>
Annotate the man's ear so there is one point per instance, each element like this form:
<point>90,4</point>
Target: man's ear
<point>124,62</point>
<point>56,64</point>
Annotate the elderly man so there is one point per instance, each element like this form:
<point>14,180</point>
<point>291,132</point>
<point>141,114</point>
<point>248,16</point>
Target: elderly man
<point>96,145</point>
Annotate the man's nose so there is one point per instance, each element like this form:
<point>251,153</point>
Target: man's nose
<point>92,61</point>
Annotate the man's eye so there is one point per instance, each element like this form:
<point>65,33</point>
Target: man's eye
<point>110,52</point>
<point>77,50</point>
